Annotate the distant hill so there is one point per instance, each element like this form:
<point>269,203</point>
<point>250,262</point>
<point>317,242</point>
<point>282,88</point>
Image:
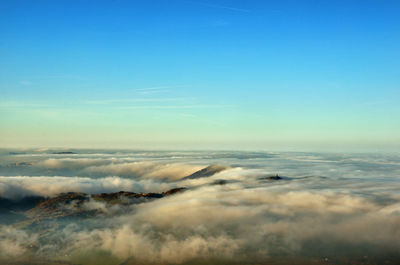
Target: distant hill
<point>206,172</point>
<point>71,204</point>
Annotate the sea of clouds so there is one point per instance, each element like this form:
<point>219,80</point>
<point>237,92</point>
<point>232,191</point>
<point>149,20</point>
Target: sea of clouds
<point>327,208</point>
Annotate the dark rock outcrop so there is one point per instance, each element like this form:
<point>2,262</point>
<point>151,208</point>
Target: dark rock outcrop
<point>206,172</point>
<point>20,164</point>
<point>173,191</point>
<point>274,177</point>
<point>72,204</point>
<point>23,204</point>
<point>59,206</point>
<point>16,153</point>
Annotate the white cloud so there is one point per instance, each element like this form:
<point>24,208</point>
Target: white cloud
<point>247,220</point>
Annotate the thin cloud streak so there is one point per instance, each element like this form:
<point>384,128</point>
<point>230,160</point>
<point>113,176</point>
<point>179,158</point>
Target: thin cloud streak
<point>156,89</point>
<point>176,107</point>
<point>14,104</point>
<point>58,76</point>
<point>152,88</point>
<point>220,6</point>
<point>110,101</point>
<point>153,92</point>
<point>25,82</point>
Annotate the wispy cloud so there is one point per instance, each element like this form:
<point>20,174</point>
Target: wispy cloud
<point>25,83</point>
<point>187,115</point>
<point>175,107</point>
<point>374,103</point>
<point>133,100</point>
<point>59,76</point>
<point>153,90</point>
<point>158,89</point>
<point>15,104</point>
<point>220,6</point>
<point>126,101</point>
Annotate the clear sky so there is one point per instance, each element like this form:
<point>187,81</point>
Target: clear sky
<point>200,74</point>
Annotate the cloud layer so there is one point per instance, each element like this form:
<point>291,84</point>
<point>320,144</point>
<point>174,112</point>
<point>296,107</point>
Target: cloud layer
<point>315,218</point>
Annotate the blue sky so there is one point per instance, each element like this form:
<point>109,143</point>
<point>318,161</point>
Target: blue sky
<point>200,74</point>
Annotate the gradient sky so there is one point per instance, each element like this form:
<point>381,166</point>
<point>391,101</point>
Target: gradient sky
<point>200,74</point>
